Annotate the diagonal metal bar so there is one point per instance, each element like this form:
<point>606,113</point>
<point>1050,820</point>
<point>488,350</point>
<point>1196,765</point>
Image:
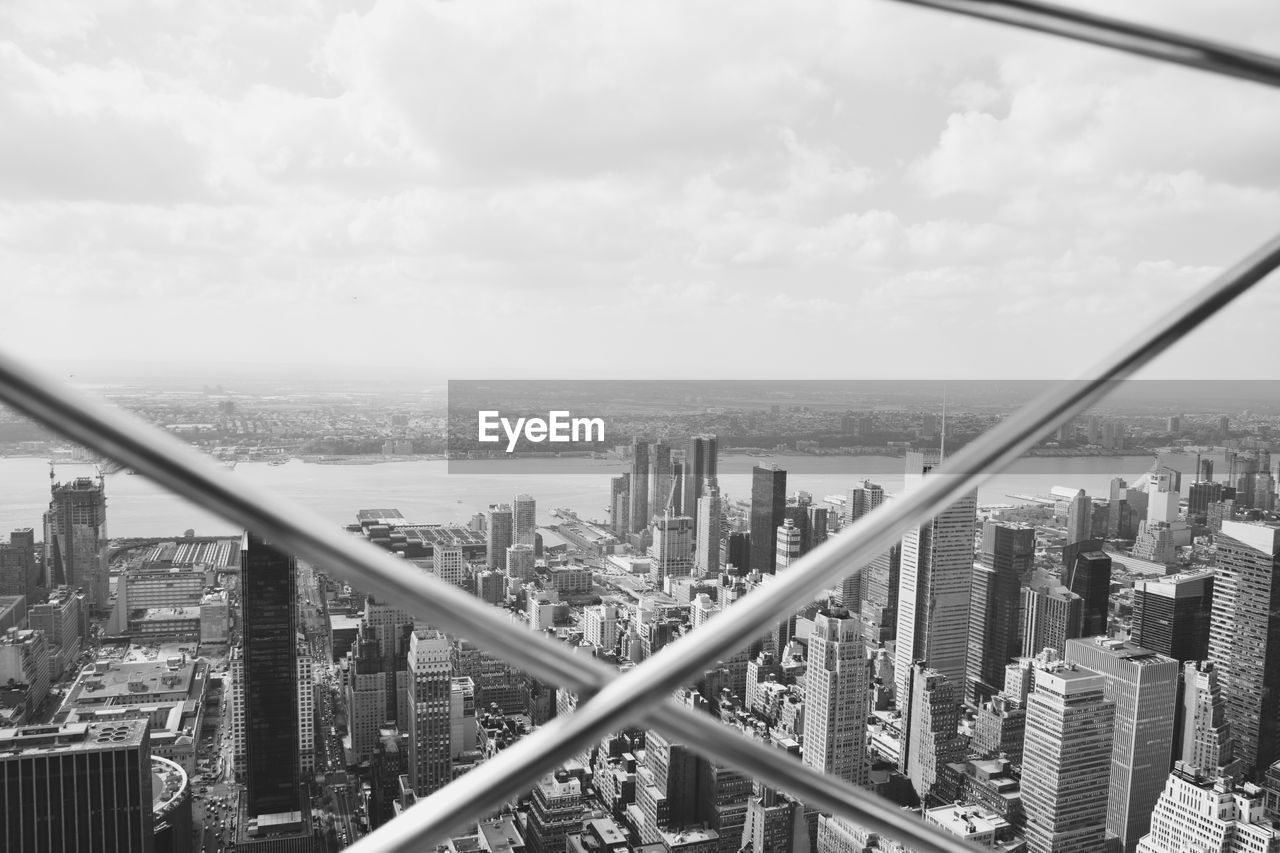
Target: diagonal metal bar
<point>1114,33</point>
<point>486,787</point>
<point>163,458</point>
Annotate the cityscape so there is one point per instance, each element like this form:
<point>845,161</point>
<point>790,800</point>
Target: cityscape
<point>579,427</point>
<point>1060,671</point>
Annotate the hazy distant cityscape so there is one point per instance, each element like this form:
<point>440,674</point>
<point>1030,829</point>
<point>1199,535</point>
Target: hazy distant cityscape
<point>1122,634</point>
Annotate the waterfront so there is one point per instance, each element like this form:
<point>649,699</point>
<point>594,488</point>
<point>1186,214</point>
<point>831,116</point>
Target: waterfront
<point>424,490</point>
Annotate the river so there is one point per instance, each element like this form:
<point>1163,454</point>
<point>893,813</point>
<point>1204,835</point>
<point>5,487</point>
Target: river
<point>426,492</point>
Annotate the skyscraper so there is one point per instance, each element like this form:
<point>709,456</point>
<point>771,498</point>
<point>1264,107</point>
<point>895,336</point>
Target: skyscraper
<point>448,564</point>
<point>835,698</point>
<point>1050,617</point>
<point>269,624</point>
<point>1079,518</point>
<point>789,538</point>
<point>75,532</point>
<point>1090,578</point>
<point>1171,614</point>
<point>1067,761</point>
<point>1206,733</point>
<point>930,738</point>
<point>1244,637</point>
<point>861,500</point>
<point>995,618</point>
<point>430,747</point>
<point>524,518</point>
<point>875,592</point>
<point>933,586</point>
<point>701,465</point>
<point>707,533</point>
<point>671,553</point>
<point>620,505</point>
<point>1144,687</point>
<point>79,788</point>
<point>768,508</point>
<point>661,496</point>
<point>639,510</point>
<point>499,534</point>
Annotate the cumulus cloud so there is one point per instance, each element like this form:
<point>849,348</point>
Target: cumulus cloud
<point>451,183</point>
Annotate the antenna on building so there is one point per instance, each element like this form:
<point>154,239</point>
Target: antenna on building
<point>942,444</point>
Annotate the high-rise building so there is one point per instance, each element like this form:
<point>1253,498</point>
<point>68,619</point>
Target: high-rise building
<point>1206,733</point>
<point>639,513</point>
<point>1207,813</point>
<point>430,731</point>
<point>1201,495</point>
<point>620,505</point>
<point>18,568</point>
<point>1050,617</point>
<point>737,552</point>
<point>366,696</point>
<point>75,533</point>
<point>1090,578</point>
<point>861,500</point>
<point>1079,518</point>
<point>524,518</point>
<point>1067,761</point>
<point>600,626</point>
<point>79,788</point>
<point>836,690</point>
<point>707,533</point>
<point>789,548</point>
<point>1244,636</point>
<point>520,562</point>
<point>269,625</point>
<point>817,526</point>
<point>661,480</point>
<point>1171,614</point>
<point>555,811</point>
<point>671,554</point>
<point>701,469</point>
<point>995,605</point>
<point>768,509</point>
<point>448,564</point>
<point>1164,495</point>
<point>1144,687</point>
<point>930,738</point>
<point>933,586</point>
<point>499,534</point>
<point>875,592</point>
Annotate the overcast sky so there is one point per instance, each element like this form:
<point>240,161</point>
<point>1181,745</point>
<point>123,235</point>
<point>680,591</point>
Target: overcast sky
<point>683,189</point>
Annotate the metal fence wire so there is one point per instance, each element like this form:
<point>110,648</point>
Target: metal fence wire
<point>609,701</point>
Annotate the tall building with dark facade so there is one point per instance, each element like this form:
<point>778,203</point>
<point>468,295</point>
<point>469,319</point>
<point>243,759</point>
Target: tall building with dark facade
<point>499,535</point>
<point>18,574</point>
<point>75,532</point>
<point>737,552</point>
<point>1050,617</point>
<point>768,508</point>
<point>1090,578</point>
<point>80,788</point>
<point>1171,614</point>
<point>701,464</point>
<point>638,515</point>
<point>269,625</point>
<point>995,606</point>
<point>1244,637</point>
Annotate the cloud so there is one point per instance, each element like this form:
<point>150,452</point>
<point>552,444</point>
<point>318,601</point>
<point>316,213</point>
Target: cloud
<point>453,183</point>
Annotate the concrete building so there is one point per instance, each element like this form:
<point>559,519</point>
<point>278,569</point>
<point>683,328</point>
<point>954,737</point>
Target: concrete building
<point>80,788</point>
<point>836,698</point>
<point>1209,814</point>
<point>1244,637</point>
<point>1143,686</point>
<point>430,732</point>
<point>1067,761</point>
<point>933,586</point>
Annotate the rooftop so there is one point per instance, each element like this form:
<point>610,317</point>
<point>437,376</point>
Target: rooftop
<point>28,740</point>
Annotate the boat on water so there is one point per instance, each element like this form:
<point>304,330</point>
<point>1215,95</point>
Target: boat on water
<point>230,465</point>
<point>278,462</point>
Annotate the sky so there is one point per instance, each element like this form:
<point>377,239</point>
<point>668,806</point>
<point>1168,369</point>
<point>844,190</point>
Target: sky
<point>744,189</point>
